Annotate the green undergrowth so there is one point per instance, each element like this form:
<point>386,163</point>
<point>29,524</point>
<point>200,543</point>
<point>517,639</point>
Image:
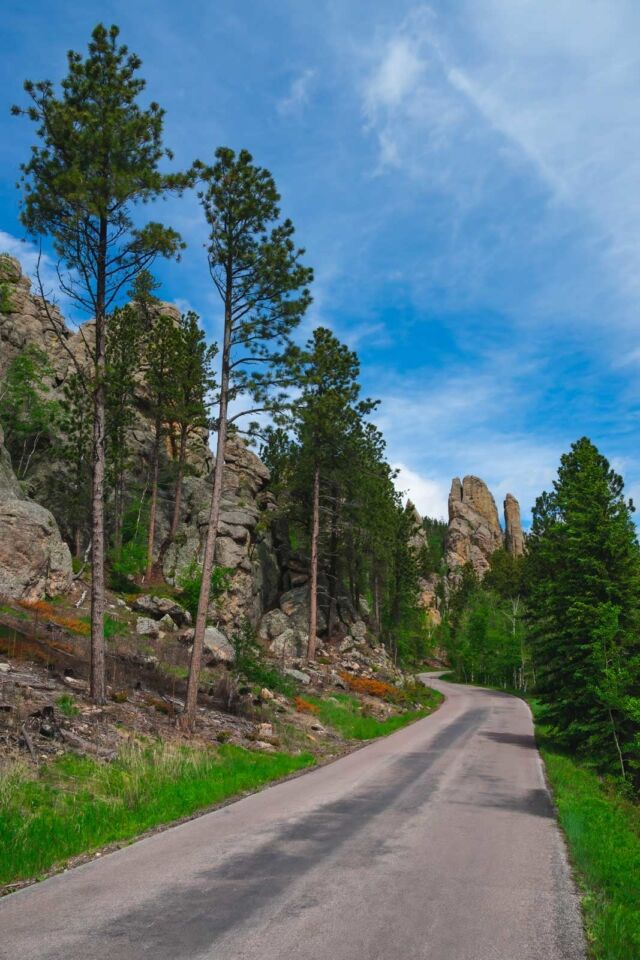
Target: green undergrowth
<point>75,805</point>
<point>345,714</point>
<point>602,827</point>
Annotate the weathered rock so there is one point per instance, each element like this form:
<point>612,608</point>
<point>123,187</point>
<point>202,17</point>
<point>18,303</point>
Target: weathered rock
<point>295,603</point>
<point>290,643</point>
<point>359,630</point>
<point>513,536</point>
<point>219,648</point>
<point>34,560</point>
<point>146,627</point>
<point>474,532</point>
<point>160,607</point>
<point>298,675</point>
<point>273,624</point>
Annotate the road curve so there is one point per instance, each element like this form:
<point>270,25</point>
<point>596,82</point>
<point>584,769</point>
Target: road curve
<point>437,842</point>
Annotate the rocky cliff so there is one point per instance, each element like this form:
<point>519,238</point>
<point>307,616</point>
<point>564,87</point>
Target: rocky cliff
<point>244,542</point>
<point>474,532</point>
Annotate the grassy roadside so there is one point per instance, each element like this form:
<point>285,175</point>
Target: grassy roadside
<point>75,805</point>
<point>602,829</point>
<point>72,806</point>
<point>343,713</point>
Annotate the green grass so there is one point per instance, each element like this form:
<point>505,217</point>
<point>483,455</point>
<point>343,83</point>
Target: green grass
<point>67,705</point>
<point>343,712</point>
<point>602,828</point>
<point>112,627</point>
<point>75,805</point>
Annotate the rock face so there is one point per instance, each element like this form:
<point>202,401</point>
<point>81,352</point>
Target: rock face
<point>34,560</point>
<point>474,528</point>
<point>474,532</point>
<point>513,535</point>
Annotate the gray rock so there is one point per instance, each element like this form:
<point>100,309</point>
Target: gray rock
<point>218,646</point>
<point>273,624</point>
<point>4,668</point>
<point>359,630</point>
<point>146,627</point>
<point>298,675</point>
<point>291,643</point>
<point>167,622</point>
<point>34,560</point>
<point>160,607</point>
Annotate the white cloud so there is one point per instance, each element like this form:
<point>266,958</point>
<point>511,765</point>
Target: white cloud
<point>428,495</point>
<point>298,94</point>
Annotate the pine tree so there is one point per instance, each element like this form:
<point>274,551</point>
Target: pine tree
<point>124,342</point>
<point>583,572</point>
<point>162,355</point>
<point>257,272</point>
<point>327,416</point>
<point>74,450</point>
<point>194,382</point>
<point>97,156</point>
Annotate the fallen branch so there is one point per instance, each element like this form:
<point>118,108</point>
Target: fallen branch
<point>27,739</point>
<point>86,746</point>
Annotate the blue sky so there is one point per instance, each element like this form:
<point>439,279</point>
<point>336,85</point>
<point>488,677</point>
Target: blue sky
<point>465,176</point>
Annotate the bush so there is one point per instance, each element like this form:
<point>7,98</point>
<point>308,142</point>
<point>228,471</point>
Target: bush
<point>190,581</point>
<point>251,664</point>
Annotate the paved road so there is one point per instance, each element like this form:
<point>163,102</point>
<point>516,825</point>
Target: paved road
<point>437,842</point>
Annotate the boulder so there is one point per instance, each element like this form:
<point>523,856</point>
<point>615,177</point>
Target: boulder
<point>160,607</point>
<point>34,560</point>
<point>359,630</point>
<point>290,643</point>
<point>273,624</point>
<point>298,675</point>
<point>146,627</point>
<point>219,648</point>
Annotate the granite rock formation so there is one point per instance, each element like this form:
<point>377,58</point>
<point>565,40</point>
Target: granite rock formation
<point>474,532</point>
<point>513,535</point>
<point>34,560</point>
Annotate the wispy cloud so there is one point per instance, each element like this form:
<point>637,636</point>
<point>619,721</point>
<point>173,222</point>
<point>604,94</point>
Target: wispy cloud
<point>299,92</point>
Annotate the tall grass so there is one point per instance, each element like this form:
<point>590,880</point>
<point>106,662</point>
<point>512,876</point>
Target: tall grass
<point>344,713</point>
<point>75,805</point>
<point>603,834</point>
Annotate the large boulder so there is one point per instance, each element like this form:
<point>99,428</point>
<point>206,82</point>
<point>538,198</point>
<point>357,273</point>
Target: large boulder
<point>160,607</point>
<point>34,560</point>
<point>218,647</point>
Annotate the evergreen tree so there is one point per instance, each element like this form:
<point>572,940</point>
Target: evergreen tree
<point>27,413</point>
<point>124,344</point>
<point>194,382</point>
<point>257,271</point>
<point>327,416</point>
<point>161,361</point>
<point>583,572</point>
<point>97,156</point>
<point>74,449</point>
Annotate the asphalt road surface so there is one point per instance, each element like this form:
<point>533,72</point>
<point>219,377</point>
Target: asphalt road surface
<point>437,842</point>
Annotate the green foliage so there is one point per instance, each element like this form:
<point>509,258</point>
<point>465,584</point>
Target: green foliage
<point>250,662</point>
<point>73,447</point>
<point>67,705</point>
<point>27,415</point>
<point>603,833</point>
<point>190,581</point>
<point>583,578</point>
<point>432,555</point>
<point>75,805</point>
<point>97,155</point>
<point>344,713</point>
<point>128,562</point>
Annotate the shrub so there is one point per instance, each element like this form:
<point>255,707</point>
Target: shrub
<point>190,582</point>
<point>251,664</point>
<point>375,688</point>
<point>67,705</point>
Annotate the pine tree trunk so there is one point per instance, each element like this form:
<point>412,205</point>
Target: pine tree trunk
<point>332,616</point>
<point>313,578</point>
<point>97,679</point>
<point>376,601</point>
<point>153,509</point>
<point>188,718</point>
<point>178,494</point>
